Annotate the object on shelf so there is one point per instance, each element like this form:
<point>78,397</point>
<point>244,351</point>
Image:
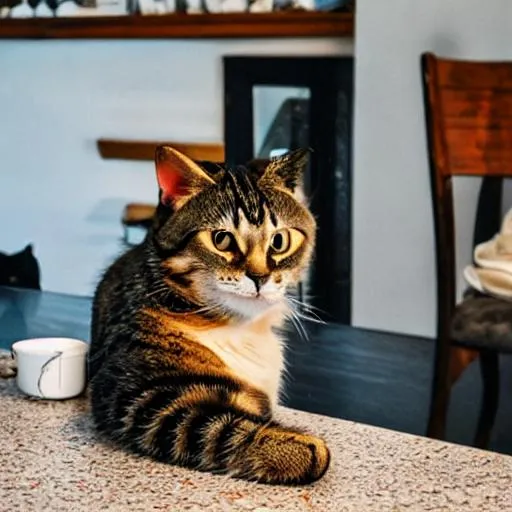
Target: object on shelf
<point>223,6</point>
<point>43,10</point>
<point>261,5</point>
<point>71,8</point>
<point>53,6</point>
<point>148,7</point>
<point>21,10</point>
<point>61,8</point>
<point>312,5</point>
<point>192,6</point>
<point>151,7</point>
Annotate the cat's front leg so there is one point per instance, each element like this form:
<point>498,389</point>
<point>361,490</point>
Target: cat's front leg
<point>205,422</point>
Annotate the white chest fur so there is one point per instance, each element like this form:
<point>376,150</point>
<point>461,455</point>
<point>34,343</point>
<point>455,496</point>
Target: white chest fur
<point>252,351</point>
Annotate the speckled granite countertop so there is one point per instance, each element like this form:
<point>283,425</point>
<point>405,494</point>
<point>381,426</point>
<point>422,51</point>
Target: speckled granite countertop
<point>50,460</point>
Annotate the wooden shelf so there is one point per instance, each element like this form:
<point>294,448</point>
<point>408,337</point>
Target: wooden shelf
<point>145,150</point>
<point>197,26</point>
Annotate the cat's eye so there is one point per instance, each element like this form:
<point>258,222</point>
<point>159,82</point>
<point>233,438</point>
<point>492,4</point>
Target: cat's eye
<point>280,241</point>
<point>223,241</point>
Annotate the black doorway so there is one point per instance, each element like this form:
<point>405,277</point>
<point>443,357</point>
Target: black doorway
<point>326,126</point>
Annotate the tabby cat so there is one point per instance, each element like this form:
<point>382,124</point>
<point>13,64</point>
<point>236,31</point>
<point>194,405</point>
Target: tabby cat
<point>185,362</point>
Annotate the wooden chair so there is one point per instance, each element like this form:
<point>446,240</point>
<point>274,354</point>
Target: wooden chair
<point>468,109</point>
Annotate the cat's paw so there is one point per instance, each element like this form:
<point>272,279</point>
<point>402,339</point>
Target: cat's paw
<point>8,367</point>
<point>278,456</point>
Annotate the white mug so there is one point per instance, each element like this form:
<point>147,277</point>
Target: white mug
<point>51,368</point>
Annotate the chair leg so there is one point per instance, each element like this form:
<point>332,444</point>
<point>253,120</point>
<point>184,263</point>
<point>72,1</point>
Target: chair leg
<point>441,385</point>
<point>490,370</point>
<point>460,359</point>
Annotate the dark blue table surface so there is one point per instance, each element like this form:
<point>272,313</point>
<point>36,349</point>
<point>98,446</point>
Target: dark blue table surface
<point>30,314</point>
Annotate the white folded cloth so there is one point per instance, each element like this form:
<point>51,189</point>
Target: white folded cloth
<point>492,272</point>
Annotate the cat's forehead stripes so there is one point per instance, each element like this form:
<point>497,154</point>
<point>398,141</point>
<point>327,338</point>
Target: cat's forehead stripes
<point>245,196</point>
<point>247,235</point>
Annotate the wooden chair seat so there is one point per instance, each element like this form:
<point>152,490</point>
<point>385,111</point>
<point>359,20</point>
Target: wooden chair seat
<point>483,322</point>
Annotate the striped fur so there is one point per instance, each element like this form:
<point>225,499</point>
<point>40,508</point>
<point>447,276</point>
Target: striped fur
<point>185,363</point>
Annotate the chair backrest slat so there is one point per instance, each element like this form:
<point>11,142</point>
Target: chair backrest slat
<point>472,108</point>
<point>473,74</point>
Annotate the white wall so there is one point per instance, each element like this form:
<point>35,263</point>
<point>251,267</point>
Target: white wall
<point>394,281</point>
<point>58,97</point>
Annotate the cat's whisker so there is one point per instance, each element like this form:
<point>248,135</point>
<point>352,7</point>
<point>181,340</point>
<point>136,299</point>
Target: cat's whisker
<point>309,316</point>
<point>297,316</point>
<point>301,331</point>
<point>157,291</point>
<point>306,305</point>
<point>297,305</point>
<point>207,309</point>
<point>311,319</point>
<point>310,306</point>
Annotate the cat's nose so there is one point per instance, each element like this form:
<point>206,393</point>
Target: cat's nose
<point>259,279</point>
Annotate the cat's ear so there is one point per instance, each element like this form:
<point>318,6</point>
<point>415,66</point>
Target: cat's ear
<point>29,249</point>
<point>287,172</point>
<point>179,177</point>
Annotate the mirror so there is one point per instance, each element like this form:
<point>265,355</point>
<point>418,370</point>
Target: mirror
<point>280,119</point>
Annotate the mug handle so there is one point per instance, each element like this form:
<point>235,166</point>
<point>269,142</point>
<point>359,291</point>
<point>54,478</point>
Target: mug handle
<point>44,369</point>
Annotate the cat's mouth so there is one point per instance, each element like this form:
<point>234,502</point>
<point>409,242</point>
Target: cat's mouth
<point>248,305</point>
<point>253,296</point>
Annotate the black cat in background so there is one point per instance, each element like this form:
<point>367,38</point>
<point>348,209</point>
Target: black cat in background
<point>20,270</point>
